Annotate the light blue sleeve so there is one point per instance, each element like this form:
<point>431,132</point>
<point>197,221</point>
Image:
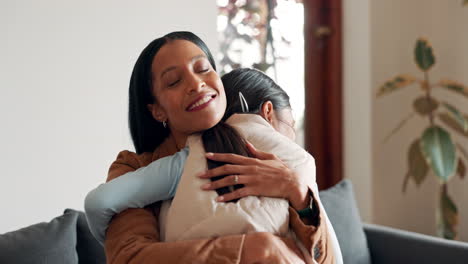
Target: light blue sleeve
<point>156,182</point>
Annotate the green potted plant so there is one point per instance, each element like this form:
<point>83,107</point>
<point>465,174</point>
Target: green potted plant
<point>434,149</point>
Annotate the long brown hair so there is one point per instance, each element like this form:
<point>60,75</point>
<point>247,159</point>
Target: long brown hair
<point>223,138</point>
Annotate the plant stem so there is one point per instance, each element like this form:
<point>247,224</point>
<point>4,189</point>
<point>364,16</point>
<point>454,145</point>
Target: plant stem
<point>428,96</point>
<point>440,213</point>
<point>444,189</point>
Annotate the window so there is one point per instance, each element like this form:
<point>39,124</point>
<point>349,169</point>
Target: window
<point>267,35</point>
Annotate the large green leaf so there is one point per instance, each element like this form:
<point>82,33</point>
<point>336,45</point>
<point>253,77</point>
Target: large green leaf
<point>439,151</point>
<point>454,86</point>
<point>447,217</point>
<point>395,83</point>
<point>457,115</point>
<point>423,54</point>
<point>398,127</point>
<point>425,105</point>
<point>449,121</point>
<point>461,169</point>
<point>416,163</point>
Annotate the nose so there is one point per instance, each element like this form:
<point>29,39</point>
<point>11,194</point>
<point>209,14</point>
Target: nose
<point>195,83</point>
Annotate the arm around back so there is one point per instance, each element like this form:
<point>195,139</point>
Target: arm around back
<point>136,189</point>
<point>133,235</point>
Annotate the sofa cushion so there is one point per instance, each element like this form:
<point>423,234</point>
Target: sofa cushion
<point>341,208</point>
<point>48,243</point>
<point>88,248</point>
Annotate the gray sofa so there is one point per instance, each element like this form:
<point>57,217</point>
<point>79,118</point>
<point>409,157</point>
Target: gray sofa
<point>66,239</point>
<point>390,245</point>
<point>366,243</point>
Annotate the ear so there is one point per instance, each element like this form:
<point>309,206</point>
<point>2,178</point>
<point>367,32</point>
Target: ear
<point>157,112</point>
<point>267,112</point>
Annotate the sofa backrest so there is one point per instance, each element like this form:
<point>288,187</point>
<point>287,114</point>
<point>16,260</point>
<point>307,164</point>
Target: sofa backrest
<point>341,208</point>
<point>89,250</point>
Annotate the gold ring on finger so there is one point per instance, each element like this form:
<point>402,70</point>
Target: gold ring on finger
<point>236,179</point>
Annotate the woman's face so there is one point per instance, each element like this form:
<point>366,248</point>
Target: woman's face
<point>189,93</point>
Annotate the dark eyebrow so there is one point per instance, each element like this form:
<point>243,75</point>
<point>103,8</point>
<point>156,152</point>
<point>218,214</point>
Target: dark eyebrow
<point>167,70</point>
<point>174,67</point>
<point>198,57</point>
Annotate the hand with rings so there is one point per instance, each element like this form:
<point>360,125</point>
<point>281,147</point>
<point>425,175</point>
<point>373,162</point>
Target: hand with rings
<point>264,174</point>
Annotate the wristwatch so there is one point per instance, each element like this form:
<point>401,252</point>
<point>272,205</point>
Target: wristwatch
<point>309,210</point>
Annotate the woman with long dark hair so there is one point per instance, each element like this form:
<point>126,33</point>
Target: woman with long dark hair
<point>175,92</point>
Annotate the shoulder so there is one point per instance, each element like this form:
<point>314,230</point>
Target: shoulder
<point>128,161</point>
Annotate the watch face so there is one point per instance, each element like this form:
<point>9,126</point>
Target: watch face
<point>305,212</point>
<point>309,211</point>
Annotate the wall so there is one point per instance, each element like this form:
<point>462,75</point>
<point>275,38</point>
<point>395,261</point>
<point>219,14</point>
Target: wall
<point>358,102</point>
<point>65,68</point>
<point>379,39</point>
<point>395,26</point>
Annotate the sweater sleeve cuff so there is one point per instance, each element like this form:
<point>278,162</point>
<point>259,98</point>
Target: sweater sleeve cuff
<point>308,233</point>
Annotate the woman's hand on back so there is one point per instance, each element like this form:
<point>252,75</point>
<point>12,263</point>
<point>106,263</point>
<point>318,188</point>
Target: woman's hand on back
<point>267,248</point>
<point>264,174</point>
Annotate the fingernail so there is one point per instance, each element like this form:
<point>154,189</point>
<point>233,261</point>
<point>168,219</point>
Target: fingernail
<point>206,186</point>
<point>220,199</point>
<point>209,154</point>
<point>200,174</point>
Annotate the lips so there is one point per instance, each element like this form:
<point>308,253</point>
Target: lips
<point>201,102</point>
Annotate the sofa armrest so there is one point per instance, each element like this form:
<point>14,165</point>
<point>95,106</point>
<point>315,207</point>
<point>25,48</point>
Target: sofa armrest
<point>390,245</point>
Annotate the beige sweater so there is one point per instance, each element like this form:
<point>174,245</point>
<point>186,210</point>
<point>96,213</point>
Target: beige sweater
<point>133,235</point>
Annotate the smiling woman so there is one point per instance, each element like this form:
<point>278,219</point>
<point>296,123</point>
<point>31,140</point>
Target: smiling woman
<point>163,88</point>
<point>186,89</point>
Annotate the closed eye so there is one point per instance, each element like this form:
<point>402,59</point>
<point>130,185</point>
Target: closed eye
<point>173,83</point>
